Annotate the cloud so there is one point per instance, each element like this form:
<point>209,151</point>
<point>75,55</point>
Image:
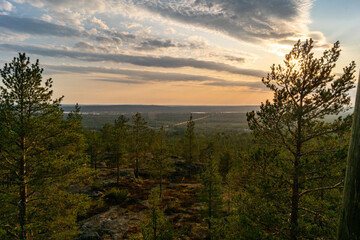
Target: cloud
<point>117,80</point>
<point>157,43</point>
<point>99,23</point>
<point>244,20</point>
<point>151,44</point>
<point>45,28</point>
<point>46,18</point>
<point>123,36</point>
<point>235,59</point>
<point>252,85</point>
<point>144,77</point>
<point>133,74</point>
<point>38,27</point>
<point>241,19</point>
<point>84,46</point>
<point>107,39</point>
<point>104,40</point>
<point>145,61</point>
<point>130,25</point>
<point>6,6</point>
<point>9,36</point>
<point>91,6</point>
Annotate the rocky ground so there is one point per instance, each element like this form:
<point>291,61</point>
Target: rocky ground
<point>120,219</point>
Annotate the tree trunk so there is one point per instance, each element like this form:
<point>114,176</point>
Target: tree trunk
<point>294,202</point>
<point>137,140</point>
<point>210,210</point>
<point>160,184</point>
<point>349,226</point>
<point>190,149</point>
<point>229,200</point>
<point>22,193</point>
<point>117,169</point>
<point>155,226</point>
<point>296,172</point>
<point>136,170</point>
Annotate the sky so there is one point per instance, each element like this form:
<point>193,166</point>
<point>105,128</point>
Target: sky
<point>171,52</point>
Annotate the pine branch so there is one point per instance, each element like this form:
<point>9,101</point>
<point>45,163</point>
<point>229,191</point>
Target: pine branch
<point>337,185</point>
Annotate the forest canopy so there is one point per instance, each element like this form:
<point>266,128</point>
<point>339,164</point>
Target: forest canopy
<point>281,178</point>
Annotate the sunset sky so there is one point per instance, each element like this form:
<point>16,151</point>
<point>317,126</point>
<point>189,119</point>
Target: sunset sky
<point>170,52</point>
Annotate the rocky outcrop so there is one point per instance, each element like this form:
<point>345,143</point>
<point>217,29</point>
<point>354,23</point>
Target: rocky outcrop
<point>122,219</point>
<point>112,224</point>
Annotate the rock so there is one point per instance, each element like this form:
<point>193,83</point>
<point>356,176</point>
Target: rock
<point>129,201</point>
<point>101,165</point>
<point>90,236</point>
<point>112,224</point>
<point>183,169</point>
<point>95,194</point>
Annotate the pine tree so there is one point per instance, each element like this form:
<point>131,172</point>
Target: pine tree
<point>140,135</point>
<point>75,117</point>
<point>93,141</point>
<point>121,137</point>
<point>225,164</point>
<point>160,164</point>
<point>305,91</point>
<point>156,226</point>
<point>211,194</point>
<point>41,154</point>
<point>189,143</point>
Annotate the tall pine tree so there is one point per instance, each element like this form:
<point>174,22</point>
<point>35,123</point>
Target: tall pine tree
<point>160,164</point>
<point>211,192</point>
<point>40,155</point>
<point>189,141</point>
<point>305,91</point>
<point>121,137</point>
<point>140,144</point>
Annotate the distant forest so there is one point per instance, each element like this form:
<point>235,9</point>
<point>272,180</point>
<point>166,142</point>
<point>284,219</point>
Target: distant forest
<point>116,109</point>
<point>179,172</point>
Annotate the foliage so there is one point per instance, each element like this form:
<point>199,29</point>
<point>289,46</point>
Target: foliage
<point>281,181</point>
<point>115,141</point>
<point>116,196</point>
<point>93,146</point>
<point>156,227</point>
<point>139,144</point>
<point>160,164</point>
<point>305,91</point>
<point>210,191</point>
<point>225,163</point>
<point>189,142</point>
<point>40,156</point>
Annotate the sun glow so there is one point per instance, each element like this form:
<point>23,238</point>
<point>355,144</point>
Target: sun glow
<point>294,61</point>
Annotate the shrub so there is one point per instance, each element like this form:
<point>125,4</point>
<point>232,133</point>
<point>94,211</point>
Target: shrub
<point>116,196</point>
